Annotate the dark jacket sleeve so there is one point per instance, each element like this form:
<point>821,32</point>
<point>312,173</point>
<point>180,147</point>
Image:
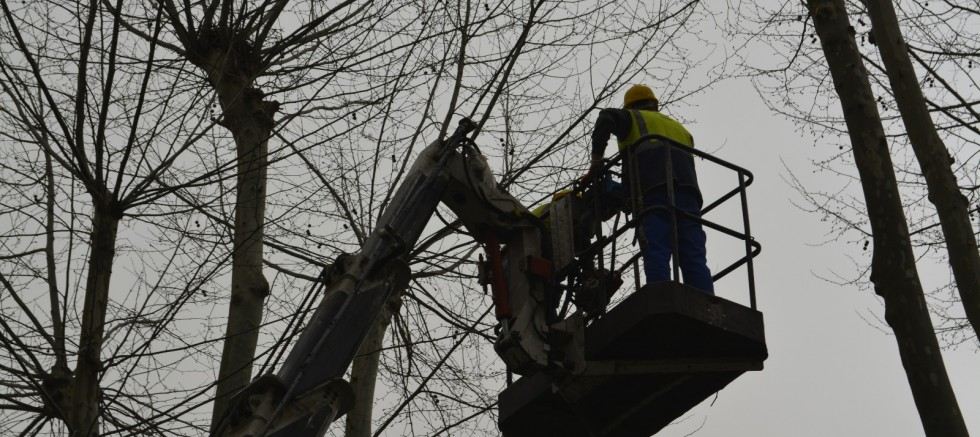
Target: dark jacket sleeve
<point>611,121</point>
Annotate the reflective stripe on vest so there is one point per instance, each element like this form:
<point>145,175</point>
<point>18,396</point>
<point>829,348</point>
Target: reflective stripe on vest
<point>652,122</point>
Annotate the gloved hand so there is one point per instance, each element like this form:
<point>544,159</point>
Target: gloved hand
<point>594,167</point>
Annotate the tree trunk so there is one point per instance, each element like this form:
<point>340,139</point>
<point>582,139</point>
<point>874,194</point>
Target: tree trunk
<point>364,372</point>
<point>893,270</point>
<point>83,417</point>
<point>250,120</point>
<point>57,383</point>
<point>61,358</point>
<point>934,159</point>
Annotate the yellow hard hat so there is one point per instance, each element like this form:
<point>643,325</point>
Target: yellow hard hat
<point>557,196</point>
<point>638,93</point>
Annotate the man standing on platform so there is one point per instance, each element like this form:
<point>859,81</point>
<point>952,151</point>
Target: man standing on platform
<point>646,175</point>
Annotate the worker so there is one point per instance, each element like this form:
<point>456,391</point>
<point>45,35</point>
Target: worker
<point>543,209</point>
<point>649,186</point>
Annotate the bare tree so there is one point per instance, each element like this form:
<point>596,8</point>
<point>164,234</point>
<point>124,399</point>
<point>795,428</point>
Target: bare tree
<point>236,46</point>
<point>893,265</point>
<point>322,108</point>
<point>940,38</point>
<point>87,110</point>
<point>951,205</point>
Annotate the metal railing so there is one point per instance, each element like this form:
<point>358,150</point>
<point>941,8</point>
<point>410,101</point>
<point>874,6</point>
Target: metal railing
<point>745,178</point>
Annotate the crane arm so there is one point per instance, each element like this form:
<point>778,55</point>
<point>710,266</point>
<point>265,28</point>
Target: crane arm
<point>308,393</point>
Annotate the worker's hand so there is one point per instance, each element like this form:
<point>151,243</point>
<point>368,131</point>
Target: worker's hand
<point>594,168</point>
<point>596,165</point>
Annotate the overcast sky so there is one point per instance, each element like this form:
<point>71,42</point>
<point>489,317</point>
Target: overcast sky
<point>834,368</point>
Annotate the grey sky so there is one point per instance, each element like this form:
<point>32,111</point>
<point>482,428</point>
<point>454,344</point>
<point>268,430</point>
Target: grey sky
<point>833,369</point>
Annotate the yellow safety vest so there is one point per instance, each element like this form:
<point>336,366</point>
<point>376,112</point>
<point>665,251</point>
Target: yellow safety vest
<point>657,124</point>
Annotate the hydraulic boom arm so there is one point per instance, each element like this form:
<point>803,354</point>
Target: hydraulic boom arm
<point>308,392</point>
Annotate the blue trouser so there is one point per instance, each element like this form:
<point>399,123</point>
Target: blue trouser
<point>657,225</point>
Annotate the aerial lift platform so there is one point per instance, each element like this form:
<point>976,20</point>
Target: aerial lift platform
<point>626,371</point>
<point>656,355</point>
